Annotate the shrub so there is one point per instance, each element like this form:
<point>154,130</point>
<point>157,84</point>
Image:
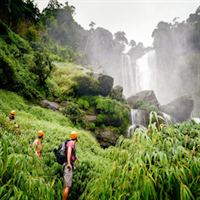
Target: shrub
<point>83,104</point>
<point>105,105</point>
<point>143,107</point>
<point>99,119</point>
<point>96,133</point>
<point>86,85</point>
<point>126,113</point>
<point>138,103</point>
<point>73,112</point>
<point>153,108</point>
<point>92,126</point>
<point>103,126</point>
<point>31,94</point>
<point>8,74</point>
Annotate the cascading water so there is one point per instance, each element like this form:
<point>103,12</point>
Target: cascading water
<point>145,72</point>
<point>127,76</point>
<point>140,77</point>
<point>169,119</point>
<point>197,120</point>
<point>137,121</point>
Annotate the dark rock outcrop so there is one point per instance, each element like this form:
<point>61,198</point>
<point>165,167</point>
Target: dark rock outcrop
<point>147,96</point>
<point>50,105</point>
<point>110,120</point>
<point>117,93</point>
<point>180,108</point>
<point>106,138</point>
<point>106,83</point>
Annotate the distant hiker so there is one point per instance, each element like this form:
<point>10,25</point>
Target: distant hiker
<point>11,117</point>
<point>38,143</point>
<point>68,166</point>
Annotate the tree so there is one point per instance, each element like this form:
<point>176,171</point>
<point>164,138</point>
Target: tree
<point>91,25</point>
<point>42,67</point>
<point>120,36</point>
<point>132,43</point>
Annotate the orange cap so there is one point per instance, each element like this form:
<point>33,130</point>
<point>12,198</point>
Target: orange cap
<point>40,133</point>
<point>73,134</point>
<point>13,112</point>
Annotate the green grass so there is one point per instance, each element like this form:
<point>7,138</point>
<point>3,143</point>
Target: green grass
<point>160,163</point>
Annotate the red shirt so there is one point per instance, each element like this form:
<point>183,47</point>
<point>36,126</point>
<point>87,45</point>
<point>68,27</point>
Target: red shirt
<point>73,155</point>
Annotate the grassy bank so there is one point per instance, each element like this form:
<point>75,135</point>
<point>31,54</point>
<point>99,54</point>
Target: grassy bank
<point>161,163</point>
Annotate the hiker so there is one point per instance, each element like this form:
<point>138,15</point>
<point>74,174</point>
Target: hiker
<point>68,166</point>
<point>11,117</point>
<point>38,143</point>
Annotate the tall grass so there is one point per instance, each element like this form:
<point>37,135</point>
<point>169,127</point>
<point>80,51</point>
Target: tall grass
<point>160,163</point>
<point>22,174</point>
<point>154,164</point>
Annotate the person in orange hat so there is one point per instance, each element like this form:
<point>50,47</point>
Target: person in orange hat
<point>38,143</point>
<point>12,115</point>
<point>68,166</point>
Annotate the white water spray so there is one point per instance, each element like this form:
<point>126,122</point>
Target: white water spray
<point>137,121</point>
<point>145,72</point>
<point>127,76</point>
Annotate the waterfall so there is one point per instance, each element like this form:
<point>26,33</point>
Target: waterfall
<point>145,72</point>
<point>137,121</point>
<point>169,119</point>
<point>137,117</point>
<point>127,76</point>
<point>197,120</point>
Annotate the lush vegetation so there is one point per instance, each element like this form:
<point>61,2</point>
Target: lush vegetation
<point>160,163</point>
<point>42,55</point>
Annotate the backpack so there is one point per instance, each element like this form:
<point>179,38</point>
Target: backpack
<point>60,153</point>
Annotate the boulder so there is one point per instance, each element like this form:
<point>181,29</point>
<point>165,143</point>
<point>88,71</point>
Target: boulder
<point>147,96</point>
<point>50,105</point>
<point>91,118</point>
<point>106,83</point>
<point>180,108</point>
<point>117,93</point>
<point>106,138</point>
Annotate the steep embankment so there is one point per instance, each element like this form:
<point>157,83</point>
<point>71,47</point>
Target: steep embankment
<point>22,174</point>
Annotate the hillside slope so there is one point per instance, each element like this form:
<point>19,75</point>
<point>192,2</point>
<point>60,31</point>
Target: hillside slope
<point>161,163</point>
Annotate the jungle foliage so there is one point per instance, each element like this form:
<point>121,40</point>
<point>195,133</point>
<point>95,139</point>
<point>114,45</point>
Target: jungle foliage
<point>159,163</point>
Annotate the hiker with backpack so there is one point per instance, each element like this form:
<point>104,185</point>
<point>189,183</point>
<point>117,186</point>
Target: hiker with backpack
<point>38,143</point>
<point>68,166</point>
<point>66,155</point>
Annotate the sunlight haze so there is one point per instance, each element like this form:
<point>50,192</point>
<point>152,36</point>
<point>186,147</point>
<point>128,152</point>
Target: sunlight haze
<point>137,19</point>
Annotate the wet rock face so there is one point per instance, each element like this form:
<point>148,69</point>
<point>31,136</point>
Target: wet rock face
<point>147,96</point>
<point>180,108</point>
<point>50,105</point>
<point>117,93</point>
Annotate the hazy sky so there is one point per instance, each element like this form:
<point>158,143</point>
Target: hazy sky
<point>137,19</point>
